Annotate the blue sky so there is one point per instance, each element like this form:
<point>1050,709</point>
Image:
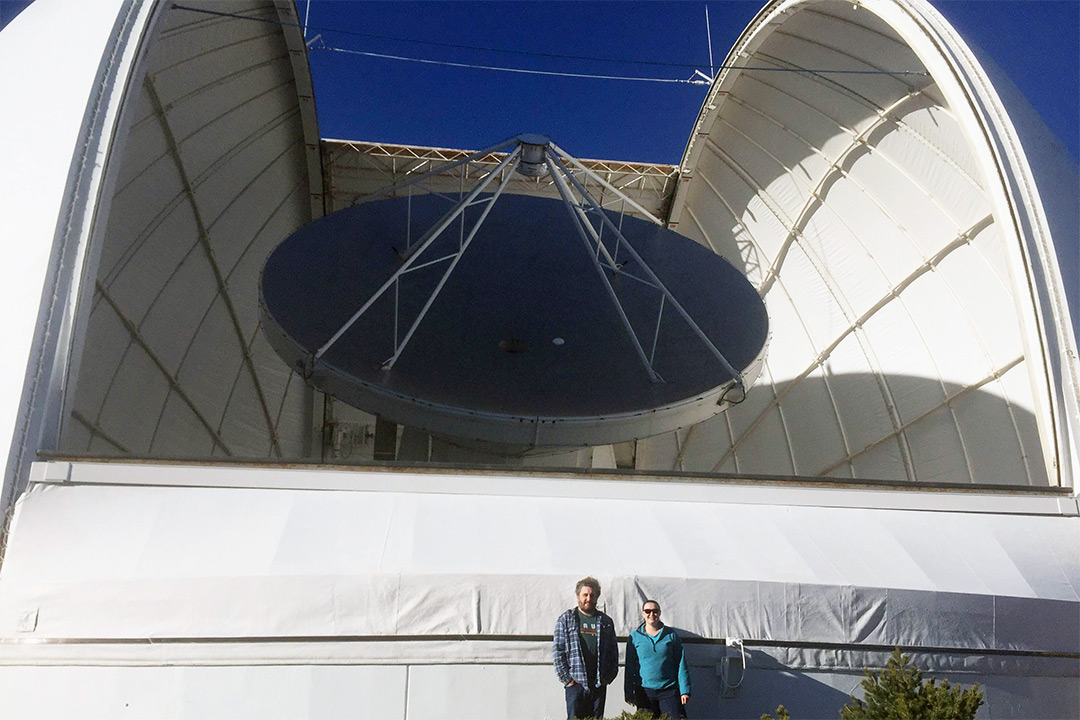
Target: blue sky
<point>1037,43</point>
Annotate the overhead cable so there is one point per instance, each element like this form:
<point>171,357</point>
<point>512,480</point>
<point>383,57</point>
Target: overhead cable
<point>436,43</point>
<point>699,78</point>
<point>524,71</point>
<point>321,30</point>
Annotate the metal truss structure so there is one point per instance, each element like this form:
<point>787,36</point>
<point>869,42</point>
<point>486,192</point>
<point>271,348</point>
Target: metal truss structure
<point>356,169</point>
<point>535,158</point>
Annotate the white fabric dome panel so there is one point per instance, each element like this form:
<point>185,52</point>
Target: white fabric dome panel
<point>214,175</point>
<point>862,206</point>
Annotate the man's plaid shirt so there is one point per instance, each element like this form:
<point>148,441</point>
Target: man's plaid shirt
<point>566,651</point>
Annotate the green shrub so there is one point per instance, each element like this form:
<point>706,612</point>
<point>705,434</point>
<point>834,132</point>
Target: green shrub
<point>640,714</point>
<point>900,693</point>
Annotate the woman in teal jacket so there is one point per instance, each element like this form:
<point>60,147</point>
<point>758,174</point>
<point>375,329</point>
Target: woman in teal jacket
<point>656,677</point>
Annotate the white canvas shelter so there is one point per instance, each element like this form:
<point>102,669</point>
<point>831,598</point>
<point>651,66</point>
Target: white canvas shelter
<point>887,221</point>
<point>904,472</point>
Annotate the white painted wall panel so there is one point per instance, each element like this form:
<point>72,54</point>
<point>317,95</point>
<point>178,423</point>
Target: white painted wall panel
<point>490,692</point>
<point>397,692</point>
<point>164,693</point>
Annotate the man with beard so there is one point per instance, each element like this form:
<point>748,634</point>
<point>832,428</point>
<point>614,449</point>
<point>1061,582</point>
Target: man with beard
<point>585,653</point>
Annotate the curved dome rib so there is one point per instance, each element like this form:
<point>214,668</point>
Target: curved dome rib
<point>220,161</point>
<point>877,206</point>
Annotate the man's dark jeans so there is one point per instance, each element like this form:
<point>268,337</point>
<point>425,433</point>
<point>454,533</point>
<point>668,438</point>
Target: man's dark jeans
<point>584,703</point>
<point>665,701</point>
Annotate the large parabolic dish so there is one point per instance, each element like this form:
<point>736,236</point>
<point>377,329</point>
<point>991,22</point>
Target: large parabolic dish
<point>513,325</point>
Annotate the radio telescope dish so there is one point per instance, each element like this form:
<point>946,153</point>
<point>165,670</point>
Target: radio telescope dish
<point>512,321</point>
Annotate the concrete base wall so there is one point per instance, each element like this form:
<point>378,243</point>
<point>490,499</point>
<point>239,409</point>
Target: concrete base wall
<point>482,691</point>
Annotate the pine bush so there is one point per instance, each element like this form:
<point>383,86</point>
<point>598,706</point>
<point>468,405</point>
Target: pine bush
<point>900,693</point>
<point>640,714</point>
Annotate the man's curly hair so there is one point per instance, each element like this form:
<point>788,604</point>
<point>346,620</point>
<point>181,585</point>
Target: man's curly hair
<point>589,581</point>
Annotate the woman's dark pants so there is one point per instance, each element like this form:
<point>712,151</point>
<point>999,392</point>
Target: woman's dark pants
<point>665,701</point>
